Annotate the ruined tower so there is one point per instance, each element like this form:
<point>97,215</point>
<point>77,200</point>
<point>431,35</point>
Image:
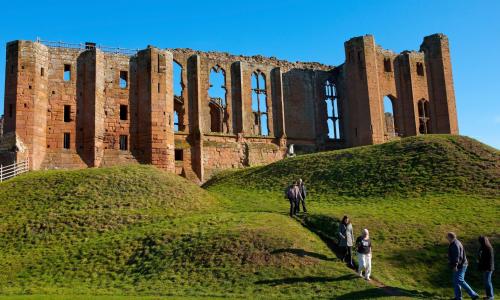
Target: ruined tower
<point>419,86</point>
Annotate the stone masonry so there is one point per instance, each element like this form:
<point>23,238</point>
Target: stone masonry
<point>87,106</point>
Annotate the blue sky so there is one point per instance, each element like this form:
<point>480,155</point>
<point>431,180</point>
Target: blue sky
<point>292,30</point>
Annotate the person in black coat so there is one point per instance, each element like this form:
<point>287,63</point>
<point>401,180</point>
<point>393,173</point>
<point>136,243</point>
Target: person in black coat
<point>289,195</point>
<point>486,264</point>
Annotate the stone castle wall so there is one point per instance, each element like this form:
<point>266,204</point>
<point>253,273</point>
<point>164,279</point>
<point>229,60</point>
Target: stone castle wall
<point>92,119</point>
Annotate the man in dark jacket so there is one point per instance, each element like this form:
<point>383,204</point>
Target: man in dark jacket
<point>458,263</point>
<point>486,265</point>
<point>293,195</point>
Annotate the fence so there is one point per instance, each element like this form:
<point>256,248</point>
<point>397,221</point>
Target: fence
<point>14,169</point>
<point>84,46</point>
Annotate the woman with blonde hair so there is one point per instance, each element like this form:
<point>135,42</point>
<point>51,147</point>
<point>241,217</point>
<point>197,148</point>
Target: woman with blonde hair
<point>364,249</point>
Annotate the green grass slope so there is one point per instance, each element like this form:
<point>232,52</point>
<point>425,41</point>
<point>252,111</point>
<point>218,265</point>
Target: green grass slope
<point>414,165</point>
<point>409,193</point>
<point>137,230</point>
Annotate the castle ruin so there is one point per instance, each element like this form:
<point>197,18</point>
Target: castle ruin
<point>197,113</point>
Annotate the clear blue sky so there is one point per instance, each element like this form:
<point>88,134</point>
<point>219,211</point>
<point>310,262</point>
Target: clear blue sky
<point>292,30</point>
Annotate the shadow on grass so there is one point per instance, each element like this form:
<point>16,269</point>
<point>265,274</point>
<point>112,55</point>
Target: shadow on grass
<point>302,253</point>
<point>434,258</point>
<point>371,293</point>
<point>374,293</point>
<point>308,279</point>
<point>325,227</point>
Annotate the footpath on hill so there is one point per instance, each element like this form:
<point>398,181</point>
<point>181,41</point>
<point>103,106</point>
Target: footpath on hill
<point>408,193</point>
<point>133,231</point>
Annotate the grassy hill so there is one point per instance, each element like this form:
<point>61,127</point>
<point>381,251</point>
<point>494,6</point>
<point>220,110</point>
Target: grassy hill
<point>412,166</point>
<point>137,230</point>
<point>409,193</point>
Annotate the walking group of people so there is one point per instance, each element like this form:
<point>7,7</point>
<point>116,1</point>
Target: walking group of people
<point>296,194</point>
<point>456,256</point>
<point>458,263</point>
<point>362,244</point>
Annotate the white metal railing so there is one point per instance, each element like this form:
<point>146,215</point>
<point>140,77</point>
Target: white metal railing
<point>14,169</point>
<point>83,46</point>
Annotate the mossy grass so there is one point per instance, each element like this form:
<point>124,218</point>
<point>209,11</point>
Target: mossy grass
<point>136,232</point>
<point>409,193</point>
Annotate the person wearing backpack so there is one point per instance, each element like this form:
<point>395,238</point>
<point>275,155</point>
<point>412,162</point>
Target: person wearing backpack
<point>289,194</point>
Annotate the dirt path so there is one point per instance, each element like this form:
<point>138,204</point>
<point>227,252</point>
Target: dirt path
<point>332,245</point>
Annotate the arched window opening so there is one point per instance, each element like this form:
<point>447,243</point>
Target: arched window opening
<point>178,84</point>
<point>178,98</point>
<point>423,117</point>
<point>259,104</point>
<point>387,65</point>
<point>389,118</point>
<point>420,69</point>
<point>332,111</point>
<point>218,106</point>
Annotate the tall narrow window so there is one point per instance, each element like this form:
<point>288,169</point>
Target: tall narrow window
<point>124,142</point>
<point>178,100</point>
<point>332,111</point>
<point>423,117</point>
<point>67,140</point>
<point>178,85</point>
<point>259,104</point>
<point>389,116</point>
<point>67,113</point>
<point>123,79</point>
<point>218,106</point>
<point>387,65</point>
<point>42,72</point>
<point>420,69</point>
<point>176,121</point>
<point>67,72</point>
<point>123,112</point>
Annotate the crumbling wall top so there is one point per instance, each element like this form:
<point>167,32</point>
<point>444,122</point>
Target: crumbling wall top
<point>256,59</point>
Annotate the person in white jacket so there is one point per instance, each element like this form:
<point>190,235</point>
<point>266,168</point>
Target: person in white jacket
<point>364,250</point>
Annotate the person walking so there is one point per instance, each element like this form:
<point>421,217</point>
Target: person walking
<point>486,265</point>
<point>364,249</point>
<point>289,195</point>
<point>346,240</point>
<point>303,194</point>
<point>457,259</point>
<point>297,196</point>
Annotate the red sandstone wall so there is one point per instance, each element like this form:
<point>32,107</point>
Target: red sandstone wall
<point>367,82</point>
<point>295,100</point>
<point>440,79</point>
<point>206,153</point>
